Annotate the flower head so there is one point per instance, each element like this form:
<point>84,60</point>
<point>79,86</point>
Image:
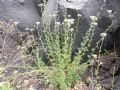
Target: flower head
<point>72,29</point>
<point>95,23</point>
<point>109,11</point>
<point>79,15</point>
<point>31,29</point>
<point>26,29</point>
<point>93,18</point>
<point>37,23</point>
<point>71,21</point>
<point>103,35</point>
<point>94,56</point>
<point>101,63</point>
<point>16,23</point>
<point>40,5</point>
<point>69,16</point>
<point>57,23</point>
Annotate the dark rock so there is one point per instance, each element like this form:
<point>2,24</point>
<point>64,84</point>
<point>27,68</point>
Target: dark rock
<point>38,7</point>
<point>116,38</point>
<point>117,84</point>
<point>27,14</point>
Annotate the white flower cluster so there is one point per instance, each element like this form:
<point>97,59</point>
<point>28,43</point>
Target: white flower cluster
<point>109,12</point>
<point>40,5</point>
<point>95,23</point>
<point>30,29</point>
<point>94,56</point>
<point>69,21</point>
<point>69,16</point>
<point>16,23</point>
<point>57,23</point>
<point>37,23</point>
<point>26,29</point>
<point>71,29</point>
<point>93,18</point>
<point>103,35</point>
<point>79,15</point>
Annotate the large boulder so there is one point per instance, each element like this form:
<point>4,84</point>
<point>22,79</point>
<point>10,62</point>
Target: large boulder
<point>39,4</point>
<point>26,14</point>
<point>14,11</point>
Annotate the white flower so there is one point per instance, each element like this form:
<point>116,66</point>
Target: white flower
<point>94,56</point>
<point>57,23</point>
<point>37,23</point>
<point>71,21</point>
<point>95,23</point>
<point>109,11</point>
<point>40,5</point>
<point>34,25</point>
<point>79,15</point>
<point>72,29</point>
<point>26,29</point>
<point>93,18</point>
<point>69,15</point>
<point>31,29</point>
<point>103,35</point>
<point>16,23</point>
<point>101,63</point>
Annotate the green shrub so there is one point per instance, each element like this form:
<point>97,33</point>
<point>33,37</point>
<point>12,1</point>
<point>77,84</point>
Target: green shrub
<point>58,46</point>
